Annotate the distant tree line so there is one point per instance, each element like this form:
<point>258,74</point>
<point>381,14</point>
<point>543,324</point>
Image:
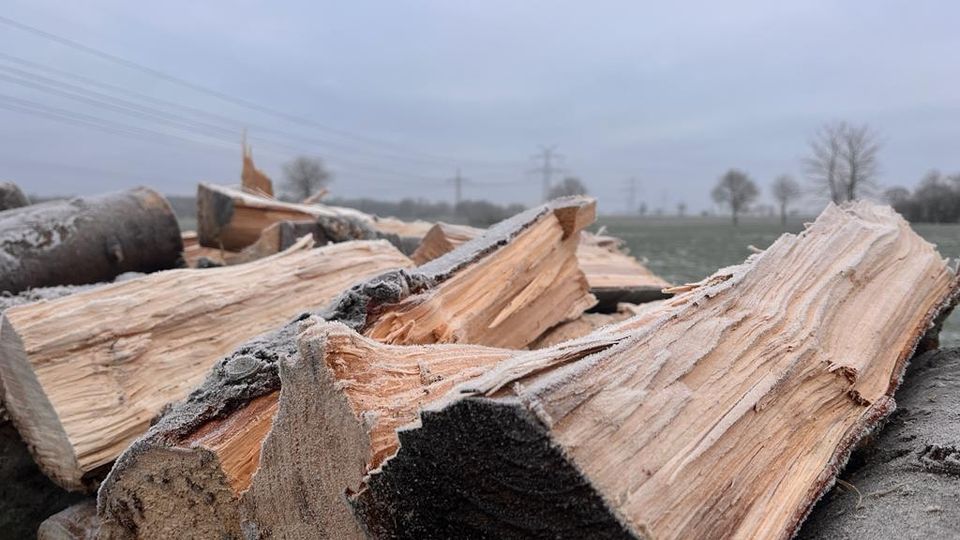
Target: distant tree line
<point>842,166</point>
<point>935,200</point>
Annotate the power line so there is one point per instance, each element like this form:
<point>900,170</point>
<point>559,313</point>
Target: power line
<point>226,126</point>
<point>242,102</point>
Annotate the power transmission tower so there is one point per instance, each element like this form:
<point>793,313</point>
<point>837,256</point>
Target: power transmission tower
<point>458,182</point>
<point>631,196</point>
<point>549,155</point>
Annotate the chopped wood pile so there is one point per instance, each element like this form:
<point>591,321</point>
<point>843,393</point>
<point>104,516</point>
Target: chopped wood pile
<point>291,373</point>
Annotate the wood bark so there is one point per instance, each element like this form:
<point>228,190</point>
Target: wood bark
<point>231,219</point>
<point>226,453</point>
<point>728,418</point>
<point>11,196</point>
<point>905,481</point>
<point>614,276</point>
<point>87,240</point>
<point>84,375</point>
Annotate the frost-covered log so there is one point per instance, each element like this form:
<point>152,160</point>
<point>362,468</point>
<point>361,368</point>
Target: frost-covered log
<point>87,240</point>
<point>11,196</point>
<point>84,375</point>
<point>214,463</point>
<point>726,419</point>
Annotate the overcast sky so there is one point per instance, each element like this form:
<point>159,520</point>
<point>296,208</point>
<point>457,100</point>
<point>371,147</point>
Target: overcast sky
<point>396,95</point>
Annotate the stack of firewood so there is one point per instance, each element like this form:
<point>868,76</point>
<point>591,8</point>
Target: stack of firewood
<point>298,370</point>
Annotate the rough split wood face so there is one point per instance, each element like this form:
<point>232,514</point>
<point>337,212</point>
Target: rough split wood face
<point>84,375</point>
<point>231,219</point>
<point>613,275</point>
<point>504,288</point>
<point>725,418</point>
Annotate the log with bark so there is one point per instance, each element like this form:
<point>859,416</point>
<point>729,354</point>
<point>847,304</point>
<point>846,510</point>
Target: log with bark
<point>87,240</point>
<point>231,219</point>
<point>220,461</point>
<point>905,482</point>
<point>614,276</point>
<point>727,418</point>
<point>11,196</point>
<point>83,376</point>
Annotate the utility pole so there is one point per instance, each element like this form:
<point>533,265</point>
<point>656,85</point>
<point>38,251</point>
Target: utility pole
<point>549,155</point>
<point>458,182</point>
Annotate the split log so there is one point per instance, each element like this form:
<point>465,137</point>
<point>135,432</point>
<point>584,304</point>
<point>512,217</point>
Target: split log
<point>614,276</point>
<point>590,322</point>
<point>231,219</point>
<point>253,179</point>
<point>77,522</point>
<point>197,256</point>
<point>87,240</point>
<point>441,239</point>
<point>726,419</point>
<point>27,496</point>
<point>905,483</point>
<point>11,196</point>
<point>501,290</point>
<point>84,375</point>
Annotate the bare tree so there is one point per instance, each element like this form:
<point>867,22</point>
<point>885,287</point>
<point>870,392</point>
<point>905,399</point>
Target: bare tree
<point>824,164</point>
<point>303,177</point>
<point>681,209</point>
<point>570,185</point>
<point>785,190</point>
<point>843,160</point>
<point>736,190</point>
<point>859,154</point>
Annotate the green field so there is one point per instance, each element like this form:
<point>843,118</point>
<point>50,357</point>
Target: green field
<point>685,250</point>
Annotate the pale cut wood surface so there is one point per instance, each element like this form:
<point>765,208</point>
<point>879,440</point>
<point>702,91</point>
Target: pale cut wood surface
<point>443,238</point>
<point>218,464</point>
<point>84,375</point>
<point>603,259</point>
<point>726,418</point>
<point>253,179</point>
